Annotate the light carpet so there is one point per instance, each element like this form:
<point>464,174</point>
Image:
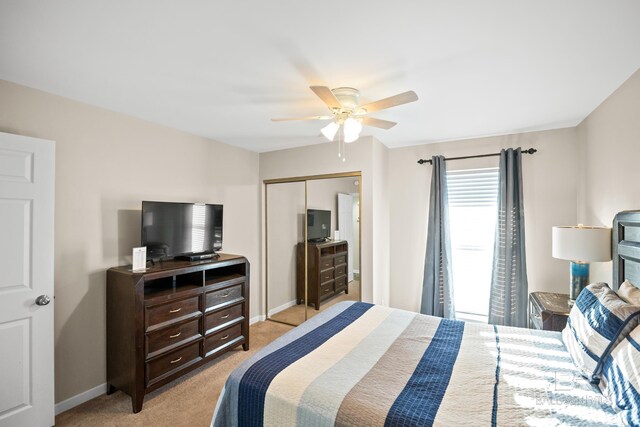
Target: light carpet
<point>188,401</point>
<point>295,315</point>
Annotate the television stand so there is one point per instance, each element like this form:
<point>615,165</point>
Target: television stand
<point>319,240</point>
<point>198,256</point>
<point>171,319</point>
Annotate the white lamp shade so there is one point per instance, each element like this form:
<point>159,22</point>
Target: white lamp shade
<point>330,130</point>
<point>352,129</point>
<point>582,243</point>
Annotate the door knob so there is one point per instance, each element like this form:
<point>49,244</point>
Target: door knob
<point>43,300</point>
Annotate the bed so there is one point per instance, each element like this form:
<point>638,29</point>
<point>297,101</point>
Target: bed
<point>358,364</point>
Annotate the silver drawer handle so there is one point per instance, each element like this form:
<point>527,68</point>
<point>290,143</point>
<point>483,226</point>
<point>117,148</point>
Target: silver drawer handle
<point>225,316</point>
<point>177,360</point>
<point>326,290</point>
<point>536,315</point>
<point>176,310</point>
<point>176,335</point>
<point>225,295</point>
<point>224,337</point>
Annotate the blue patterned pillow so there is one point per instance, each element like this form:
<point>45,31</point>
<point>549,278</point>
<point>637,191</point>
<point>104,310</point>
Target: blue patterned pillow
<point>598,320</point>
<point>620,380</point>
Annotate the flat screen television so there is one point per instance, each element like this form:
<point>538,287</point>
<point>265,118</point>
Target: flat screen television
<point>178,229</point>
<point>318,225</point>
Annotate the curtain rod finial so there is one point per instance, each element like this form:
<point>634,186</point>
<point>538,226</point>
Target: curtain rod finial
<point>531,151</point>
<point>423,161</point>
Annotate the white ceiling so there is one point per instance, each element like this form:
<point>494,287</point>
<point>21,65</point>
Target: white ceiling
<point>223,69</point>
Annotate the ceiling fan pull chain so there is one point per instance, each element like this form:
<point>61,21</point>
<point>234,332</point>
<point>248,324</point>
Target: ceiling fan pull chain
<point>344,151</point>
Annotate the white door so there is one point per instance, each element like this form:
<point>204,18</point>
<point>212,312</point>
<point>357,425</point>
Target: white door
<point>345,225</point>
<point>27,167</point>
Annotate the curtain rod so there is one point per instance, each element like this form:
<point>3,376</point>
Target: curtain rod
<point>529,151</point>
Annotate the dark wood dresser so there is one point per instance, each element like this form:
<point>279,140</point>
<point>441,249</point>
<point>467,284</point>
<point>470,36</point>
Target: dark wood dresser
<point>327,271</point>
<point>548,311</point>
<point>171,319</point>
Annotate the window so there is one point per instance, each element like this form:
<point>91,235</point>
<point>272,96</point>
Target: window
<point>198,220</point>
<point>473,197</point>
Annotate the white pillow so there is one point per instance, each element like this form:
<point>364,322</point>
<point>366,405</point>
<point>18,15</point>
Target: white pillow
<point>599,320</point>
<point>629,293</point>
<point>620,379</point>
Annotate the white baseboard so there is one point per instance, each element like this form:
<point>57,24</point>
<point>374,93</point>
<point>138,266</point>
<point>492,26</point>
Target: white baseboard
<point>79,399</point>
<point>356,271</point>
<point>282,307</point>
<point>256,319</point>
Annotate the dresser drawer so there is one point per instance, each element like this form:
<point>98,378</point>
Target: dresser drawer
<point>535,321</point>
<point>341,270</point>
<point>535,315</point>
<point>326,276</point>
<point>217,318</point>
<point>172,336</point>
<point>340,283</point>
<point>548,311</point>
<point>340,259</point>
<point>326,289</point>
<point>223,296</point>
<point>219,339</point>
<point>326,262</point>
<point>172,361</point>
<point>171,311</point>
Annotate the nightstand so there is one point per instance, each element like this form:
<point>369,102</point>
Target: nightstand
<point>548,311</point>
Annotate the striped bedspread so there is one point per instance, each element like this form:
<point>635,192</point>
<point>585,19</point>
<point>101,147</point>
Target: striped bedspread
<point>359,364</point>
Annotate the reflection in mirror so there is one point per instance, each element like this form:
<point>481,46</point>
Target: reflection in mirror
<point>333,217</point>
<point>285,203</point>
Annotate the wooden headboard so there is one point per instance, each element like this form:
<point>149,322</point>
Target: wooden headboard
<point>626,248</point>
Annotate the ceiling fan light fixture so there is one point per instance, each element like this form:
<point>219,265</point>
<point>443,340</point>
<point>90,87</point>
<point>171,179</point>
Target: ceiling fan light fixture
<point>349,116</point>
<point>330,130</point>
<point>352,129</point>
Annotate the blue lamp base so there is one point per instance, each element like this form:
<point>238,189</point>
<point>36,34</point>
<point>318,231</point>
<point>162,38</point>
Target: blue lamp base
<point>579,279</point>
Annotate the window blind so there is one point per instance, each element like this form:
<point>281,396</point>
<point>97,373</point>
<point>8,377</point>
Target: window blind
<point>473,197</point>
<point>473,187</point>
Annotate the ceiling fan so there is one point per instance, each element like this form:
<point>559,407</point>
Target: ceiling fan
<point>348,115</point>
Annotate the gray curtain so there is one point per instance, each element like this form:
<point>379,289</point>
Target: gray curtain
<point>509,288</point>
<point>437,285</point>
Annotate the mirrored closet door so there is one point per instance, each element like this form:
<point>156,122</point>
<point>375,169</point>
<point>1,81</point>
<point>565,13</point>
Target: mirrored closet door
<point>334,257</point>
<point>312,225</point>
<point>284,208</point>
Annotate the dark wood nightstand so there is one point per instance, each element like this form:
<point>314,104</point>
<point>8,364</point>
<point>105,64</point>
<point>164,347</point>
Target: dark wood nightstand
<point>548,311</point>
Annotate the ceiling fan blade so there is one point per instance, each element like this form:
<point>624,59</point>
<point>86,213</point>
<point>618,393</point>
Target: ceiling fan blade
<point>392,101</point>
<point>303,118</point>
<point>378,123</point>
<point>327,96</point>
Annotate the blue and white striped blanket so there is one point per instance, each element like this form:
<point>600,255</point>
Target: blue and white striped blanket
<point>359,364</point>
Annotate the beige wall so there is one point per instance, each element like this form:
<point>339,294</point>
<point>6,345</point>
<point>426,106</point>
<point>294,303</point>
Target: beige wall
<point>609,141</point>
<point>550,185</point>
<point>285,221</point>
<point>382,226</point>
<point>106,164</point>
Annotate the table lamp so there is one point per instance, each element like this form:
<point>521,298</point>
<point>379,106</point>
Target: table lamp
<point>581,245</point>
